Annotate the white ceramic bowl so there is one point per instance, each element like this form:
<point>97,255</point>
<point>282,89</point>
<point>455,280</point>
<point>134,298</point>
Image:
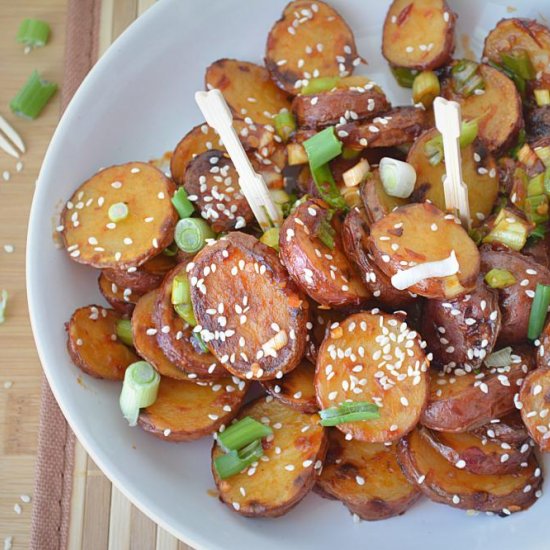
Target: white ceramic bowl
<point>135,105</point>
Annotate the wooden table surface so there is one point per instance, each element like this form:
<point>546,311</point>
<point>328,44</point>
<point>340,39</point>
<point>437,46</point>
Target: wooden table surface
<point>101,518</point>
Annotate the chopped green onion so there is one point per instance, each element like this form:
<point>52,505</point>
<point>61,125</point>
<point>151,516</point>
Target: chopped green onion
<point>182,204</point>
<point>357,174</point>
<point>124,332</point>
<point>527,156</point>
<point>170,251</point>
<point>535,186</point>
<point>519,63</point>
<point>325,233</point>
<point>520,83</point>
<point>465,77</point>
<point>139,390</point>
<point>241,433</point>
<point>499,278</point>
<point>33,97</point>
<point>3,304</point>
<point>323,84</point>
<point>33,33</point>
<point>398,177</point>
<point>349,412</point>
<point>281,198</point>
<point>500,358</point>
<point>468,132</point>
<point>544,155</point>
<point>547,181</point>
<point>324,181</point>
<point>118,212</point>
<point>350,154</point>
<point>181,291</point>
<point>509,229</point>
<point>425,88</point>
<point>232,463</point>
<point>539,232</point>
<point>285,125</point>
<point>433,149</point>
<point>542,97</point>
<point>539,309</point>
<point>405,77</point>
<point>536,208</point>
<point>522,137</point>
<point>271,238</point>
<point>322,148</point>
<point>191,234</point>
<point>185,311</point>
<point>198,338</point>
<point>476,234</point>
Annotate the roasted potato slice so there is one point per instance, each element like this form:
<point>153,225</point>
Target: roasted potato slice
<point>419,34</point>
<point>353,98</point>
<point>442,482</point>
<point>535,404</point>
<point>498,109</point>
<point>537,123</point>
<point>248,89</point>
<point>324,273</point>
<point>251,314</point>
<point>515,300</point>
<point>321,318</point>
<point>543,351</point>
<point>93,344</point>
<point>418,233</point>
<point>462,401</point>
<point>461,332</point>
<point>376,201</point>
<point>374,357</point>
<point>355,234</point>
<point>477,455</point>
<point>296,389</point>
<point>366,478</point>
<point>184,411</point>
<point>509,429</point>
<point>121,299</point>
<point>479,170</point>
<point>176,338</point>
<point>311,40</point>
<point>292,460</point>
<point>90,237</point>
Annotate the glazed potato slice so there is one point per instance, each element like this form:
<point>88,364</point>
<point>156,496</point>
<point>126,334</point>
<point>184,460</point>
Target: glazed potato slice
<point>320,319</point>
<point>288,470</point>
<point>296,389</point>
<point>543,351</point>
<point>442,482</point>
<point>466,451</point>
<point>366,478</point>
<point>121,299</point>
<point>462,401</point>
<point>514,301</point>
<point>419,34</point>
<point>311,40</point>
<point>355,235</point>
<point>324,273</point>
<point>353,98</point>
<point>535,404</point>
<point>374,357</point>
<point>509,429</point>
<point>184,411</point>
<point>93,345</point>
<point>479,170</point>
<point>419,233</point>
<point>251,314</point>
<point>498,108</point>
<point>175,337</point>
<point>248,89</point>
<point>461,332</point>
<point>376,201</point>
<point>90,237</point>
<point>537,123</point>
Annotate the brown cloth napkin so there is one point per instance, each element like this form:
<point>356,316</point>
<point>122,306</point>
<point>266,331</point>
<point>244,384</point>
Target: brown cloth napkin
<point>54,466</point>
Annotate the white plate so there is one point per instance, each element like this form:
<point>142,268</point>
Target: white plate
<point>136,104</point>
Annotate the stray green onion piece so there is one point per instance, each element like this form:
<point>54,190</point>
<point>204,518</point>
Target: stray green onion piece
<point>196,336</point>
<point>33,33</point>
<point>433,149</point>
<point>398,177</point>
<point>241,433</point>
<point>509,229</point>
<point>324,181</point>
<point>271,238</point>
<point>535,185</point>
<point>465,77</point>
<point>232,463</point>
<point>350,154</point>
<point>191,234</point>
<point>425,88</point>
<point>181,291</point>
<point>118,212</point>
<point>185,311</point>
<point>405,77</point>
<point>326,233</point>
<point>285,125</point>
<point>349,412</point>
<point>33,97</point>
<point>317,85</point>
<point>542,97</point>
<point>124,332</point>
<point>519,62</point>
<point>539,309</point>
<point>170,251</point>
<point>536,208</point>
<point>3,304</point>
<point>544,155</point>
<point>499,278</point>
<point>140,389</point>
<point>182,204</point>
<point>322,147</point>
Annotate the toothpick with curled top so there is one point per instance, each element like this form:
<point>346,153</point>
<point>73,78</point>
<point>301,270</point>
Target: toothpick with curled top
<point>219,117</point>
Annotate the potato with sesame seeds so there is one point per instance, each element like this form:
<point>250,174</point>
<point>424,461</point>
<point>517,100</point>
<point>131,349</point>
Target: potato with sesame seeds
<point>537,120</point>
<point>461,401</point>
<point>366,478</point>
<point>93,344</point>
<point>376,201</point>
<point>185,411</point>
<point>91,237</point>
<point>310,248</point>
<point>535,405</point>
<point>508,429</point>
<point>443,482</point>
<point>543,350</point>
<point>311,40</point>
<point>377,358</point>
<point>291,463</point>
<point>250,313</point>
<point>419,34</point>
<point>419,233</point>
<point>121,299</point>
<point>320,319</point>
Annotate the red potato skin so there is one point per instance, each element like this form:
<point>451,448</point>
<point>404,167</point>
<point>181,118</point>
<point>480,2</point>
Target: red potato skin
<point>537,123</point>
<point>510,429</point>
<point>121,305</point>
<point>536,401</point>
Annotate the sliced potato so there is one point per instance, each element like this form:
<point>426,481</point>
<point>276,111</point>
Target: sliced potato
<point>498,109</point>
<point>324,273</point>
<point>121,299</point>
<point>184,411</point>
<point>442,482</point>
<point>543,351</point>
<point>93,344</point>
<point>366,477</point>
<point>537,123</point>
<point>515,300</point>
<point>291,463</point>
<point>321,318</point>
<point>251,314</point>
<point>463,401</point>
<point>296,389</point>
<point>418,233</point>
<point>463,331</point>
<point>535,405</point>
<point>311,40</point>
<point>376,358</point>
<point>376,201</point>
<point>508,429</point>
<point>419,34</point>
<point>479,170</point>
